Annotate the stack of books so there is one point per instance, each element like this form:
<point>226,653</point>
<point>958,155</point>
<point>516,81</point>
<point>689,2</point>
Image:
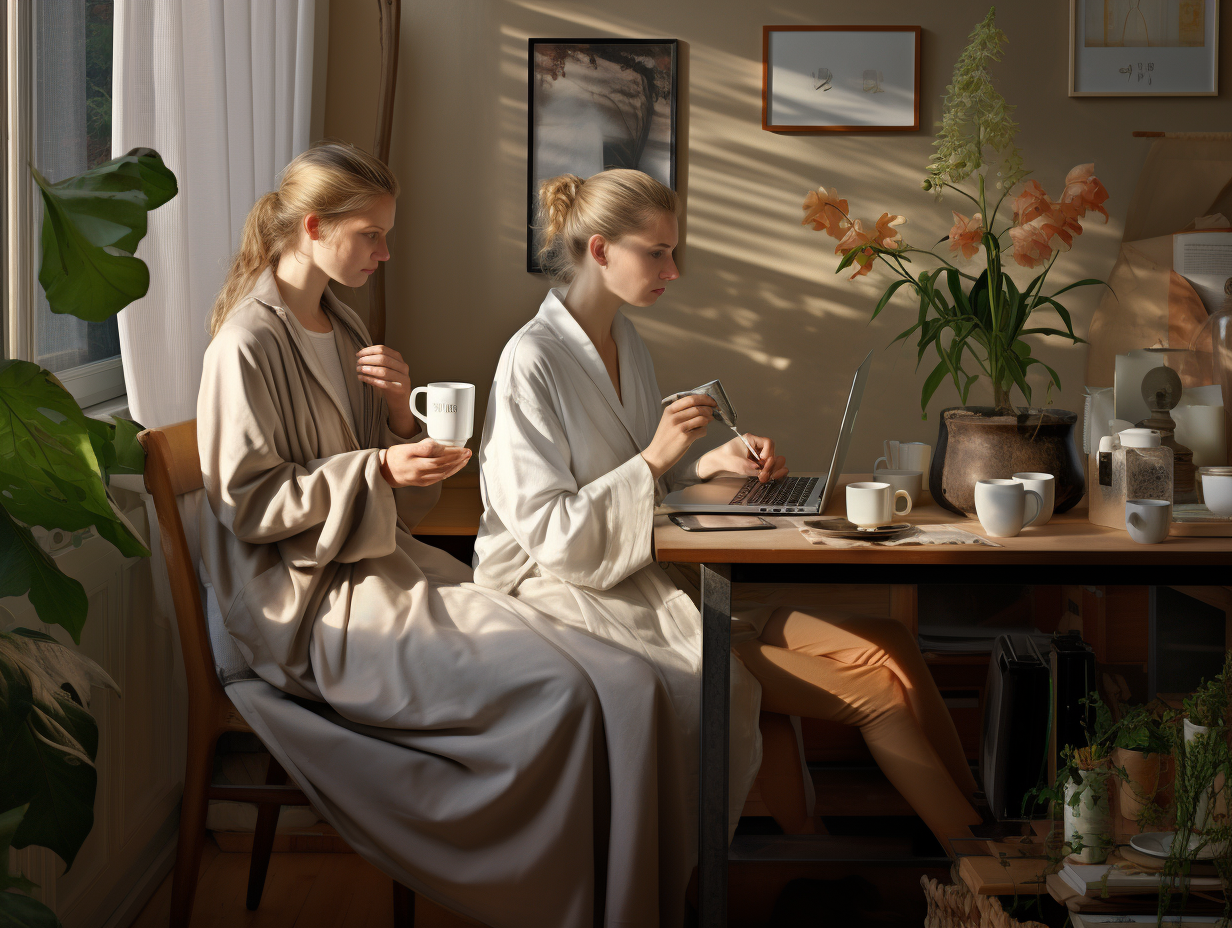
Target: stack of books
<point>1105,894</point>
<point>1097,880</point>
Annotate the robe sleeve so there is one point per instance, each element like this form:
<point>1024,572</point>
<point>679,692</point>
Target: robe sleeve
<point>591,536</point>
<point>337,508</point>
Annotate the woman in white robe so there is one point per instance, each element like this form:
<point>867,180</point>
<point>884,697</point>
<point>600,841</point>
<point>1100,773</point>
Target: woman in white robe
<point>574,457</point>
<point>518,771</point>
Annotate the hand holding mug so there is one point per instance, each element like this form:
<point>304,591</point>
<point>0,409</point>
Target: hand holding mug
<point>421,463</point>
<point>450,414</point>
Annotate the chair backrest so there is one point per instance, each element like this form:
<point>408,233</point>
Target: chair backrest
<point>172,468</point>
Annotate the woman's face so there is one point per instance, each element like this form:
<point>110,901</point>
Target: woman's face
<point>350,251</point>
<point>640,264</point>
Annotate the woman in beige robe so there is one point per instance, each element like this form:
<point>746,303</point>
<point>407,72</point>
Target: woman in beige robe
<point>517,770</point>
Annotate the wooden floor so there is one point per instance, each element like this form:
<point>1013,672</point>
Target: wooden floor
<point>301,891</point>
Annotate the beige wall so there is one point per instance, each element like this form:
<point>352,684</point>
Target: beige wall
<point>759,305</point>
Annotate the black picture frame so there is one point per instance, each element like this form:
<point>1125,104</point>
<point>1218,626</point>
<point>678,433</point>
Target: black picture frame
<point>546,71</point>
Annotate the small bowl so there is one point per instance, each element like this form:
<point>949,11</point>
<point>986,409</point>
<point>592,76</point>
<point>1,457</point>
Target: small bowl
<point>1217,490</point>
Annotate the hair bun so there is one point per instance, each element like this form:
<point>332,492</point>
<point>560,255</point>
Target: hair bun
<point>556,197</point>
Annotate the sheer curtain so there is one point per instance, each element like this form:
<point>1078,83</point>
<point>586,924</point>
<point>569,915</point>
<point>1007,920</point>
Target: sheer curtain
<point>223,90</point>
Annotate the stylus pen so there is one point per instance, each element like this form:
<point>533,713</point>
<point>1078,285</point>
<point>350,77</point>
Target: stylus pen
<point>668,400</point>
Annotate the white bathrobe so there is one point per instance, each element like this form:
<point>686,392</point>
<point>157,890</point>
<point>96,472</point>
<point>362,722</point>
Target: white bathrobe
<point>568,513</point>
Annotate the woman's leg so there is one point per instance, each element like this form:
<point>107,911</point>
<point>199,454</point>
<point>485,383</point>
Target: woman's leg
<point>781,778</point>
<point>854,639</point>
<point>874,698</point>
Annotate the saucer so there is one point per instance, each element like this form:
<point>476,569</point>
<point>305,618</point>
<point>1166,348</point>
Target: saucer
<point>842,528</point>
<point>1159,844</point>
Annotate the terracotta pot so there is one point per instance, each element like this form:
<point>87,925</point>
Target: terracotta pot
<point>1143,773</point>
<point>974,443</point>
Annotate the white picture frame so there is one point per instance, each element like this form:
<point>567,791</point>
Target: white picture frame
<point>1141,48</point>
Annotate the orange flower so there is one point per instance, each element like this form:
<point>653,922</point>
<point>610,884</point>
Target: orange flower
<point>826,211</point>
<point>966,234</point>
<point>1031,244</point>
<point>1083,191</point>
<point>886,236</point>
<point>857,238</point>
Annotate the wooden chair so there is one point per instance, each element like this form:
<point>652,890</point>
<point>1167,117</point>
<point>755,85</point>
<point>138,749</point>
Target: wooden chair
<point>173,468</point>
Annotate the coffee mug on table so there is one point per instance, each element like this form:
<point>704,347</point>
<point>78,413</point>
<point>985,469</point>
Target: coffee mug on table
<point>910,480</point>
<point>1148,520</point>
<point>1006,507</point>
<point>1046,486</point>
<point>874,503</point>
<point>450,416</point>
<point>906,455</point>
<point>1217,489</point>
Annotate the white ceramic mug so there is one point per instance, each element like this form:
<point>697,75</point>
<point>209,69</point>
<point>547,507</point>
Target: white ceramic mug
<point>906,455</point>
<point>1046,486</point>
<point>1148,520</point>
<point>1006,507</point>
<point>450,414</point>
<point>910,480</point>
<point>874,503</point>
<point>1217,489</point>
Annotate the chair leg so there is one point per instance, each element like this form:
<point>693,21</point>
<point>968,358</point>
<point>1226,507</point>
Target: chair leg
<point>263,837</point>
<point>404,906</point>
<point>198,768</point>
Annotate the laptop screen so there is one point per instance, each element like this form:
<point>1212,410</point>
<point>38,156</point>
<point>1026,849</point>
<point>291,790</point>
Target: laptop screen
<point>848,426</point>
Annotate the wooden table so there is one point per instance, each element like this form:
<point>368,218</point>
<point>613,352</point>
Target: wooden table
<point>1069,549</point>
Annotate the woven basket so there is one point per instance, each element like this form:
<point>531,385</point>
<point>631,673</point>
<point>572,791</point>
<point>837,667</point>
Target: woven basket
<point>955,906</point>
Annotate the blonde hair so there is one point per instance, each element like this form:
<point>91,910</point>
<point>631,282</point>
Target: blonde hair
<point>331,179</point>
<point>612,203</point>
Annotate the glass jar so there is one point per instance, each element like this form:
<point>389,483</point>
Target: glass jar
<point>1131,464</point>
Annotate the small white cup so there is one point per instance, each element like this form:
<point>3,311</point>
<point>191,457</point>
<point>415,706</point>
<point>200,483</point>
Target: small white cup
<point>1217,489</point>
<point>1006,507</point>
<point>450,414</point>
<point>875,503</point>
<point>910,480</point>
<point>1148,520</point>
<point>1046,486</point>
<point>906,455</point>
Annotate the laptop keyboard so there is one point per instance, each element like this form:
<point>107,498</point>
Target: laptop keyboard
<point>787,491</point>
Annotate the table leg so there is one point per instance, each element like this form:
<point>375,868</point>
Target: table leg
<point>713,761</point>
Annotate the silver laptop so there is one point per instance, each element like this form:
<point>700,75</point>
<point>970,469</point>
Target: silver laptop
<point>787,495</point>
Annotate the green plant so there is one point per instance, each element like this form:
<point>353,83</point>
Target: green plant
<point>55,466</point>
<point>1141,728</point>
<point>982,317</point>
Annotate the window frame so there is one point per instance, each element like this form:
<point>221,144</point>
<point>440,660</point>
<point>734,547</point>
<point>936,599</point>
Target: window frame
<point>90,383</point>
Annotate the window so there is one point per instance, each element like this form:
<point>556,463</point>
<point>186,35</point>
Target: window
<point>59,100</point>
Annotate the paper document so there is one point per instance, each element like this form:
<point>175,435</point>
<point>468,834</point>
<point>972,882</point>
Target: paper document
<point>1205,260</point>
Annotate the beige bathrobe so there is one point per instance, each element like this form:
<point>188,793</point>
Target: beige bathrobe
<point>518,770</point>
<point>569,508</point>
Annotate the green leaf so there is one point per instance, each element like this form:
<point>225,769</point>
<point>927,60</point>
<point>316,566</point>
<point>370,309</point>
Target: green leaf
<point>27,568</point>
<point>92,224</point>
<point>932,383</point>
<point>1026,332</point>
<point>130,456</point>
<point>9,822</point>
<point>1015,369</point>
<point>971,379</point>
<point>885,297</point>
<point>1064,314</point>
<point>50,471</point>
<point>956,291</point>
<point>847,259</point>
<point>50,740</point>
<point>17,911</point>
<point>1085,282</point>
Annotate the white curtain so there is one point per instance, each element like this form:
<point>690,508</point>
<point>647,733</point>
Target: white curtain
<point>222,89</point>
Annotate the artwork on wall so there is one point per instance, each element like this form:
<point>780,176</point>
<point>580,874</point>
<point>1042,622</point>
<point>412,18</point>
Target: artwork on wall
<point>840,78</point>
<point>1143,47</point>
<point>596,104</point>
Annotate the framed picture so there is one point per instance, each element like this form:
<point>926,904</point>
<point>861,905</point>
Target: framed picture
<point>1143,48</point>
<point>840,78</point>
<point>596,104</point>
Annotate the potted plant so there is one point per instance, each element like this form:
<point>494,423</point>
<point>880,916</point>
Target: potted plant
<point>1142,754</point>
<point>974,312</point>
<point>55,467</point>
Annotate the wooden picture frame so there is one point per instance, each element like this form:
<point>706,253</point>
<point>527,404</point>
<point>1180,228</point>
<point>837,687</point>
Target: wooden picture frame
<point>796,99</point>
<point>1170,65</point>
<point>583,98</point>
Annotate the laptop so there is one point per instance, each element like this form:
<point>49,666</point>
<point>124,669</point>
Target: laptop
<point>786,496</point>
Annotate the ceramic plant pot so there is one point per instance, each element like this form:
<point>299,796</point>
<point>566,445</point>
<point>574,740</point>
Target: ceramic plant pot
<point>974,443</point>
<point>1141,785</point>
<point>1088,817</point>
<point>1211,801</point>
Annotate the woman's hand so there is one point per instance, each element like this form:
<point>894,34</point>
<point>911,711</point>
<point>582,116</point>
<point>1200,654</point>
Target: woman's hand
<point>683,423</point>
<point>733,458</point>
<point>421,463</point>
<point>383,368</point>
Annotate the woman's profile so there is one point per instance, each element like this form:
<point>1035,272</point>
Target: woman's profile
<point>465,743</point>
<point>575,454</point>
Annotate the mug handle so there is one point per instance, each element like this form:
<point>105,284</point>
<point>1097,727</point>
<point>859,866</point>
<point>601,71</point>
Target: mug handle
<point>421,416</point>
<point>1033,496</point>
<point>879,460</point>
<point>907,496</point>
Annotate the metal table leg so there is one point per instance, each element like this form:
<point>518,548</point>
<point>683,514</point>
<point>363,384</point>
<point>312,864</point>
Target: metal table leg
<point>713,761</point>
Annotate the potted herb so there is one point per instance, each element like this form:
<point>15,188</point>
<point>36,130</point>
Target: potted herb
<point>971,311</point>
<point>1142,754</point>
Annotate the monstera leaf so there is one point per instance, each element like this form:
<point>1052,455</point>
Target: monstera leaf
<point>51,740</point>
<point>91,226</point>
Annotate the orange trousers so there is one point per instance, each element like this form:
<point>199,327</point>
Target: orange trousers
<point>866,672</point>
